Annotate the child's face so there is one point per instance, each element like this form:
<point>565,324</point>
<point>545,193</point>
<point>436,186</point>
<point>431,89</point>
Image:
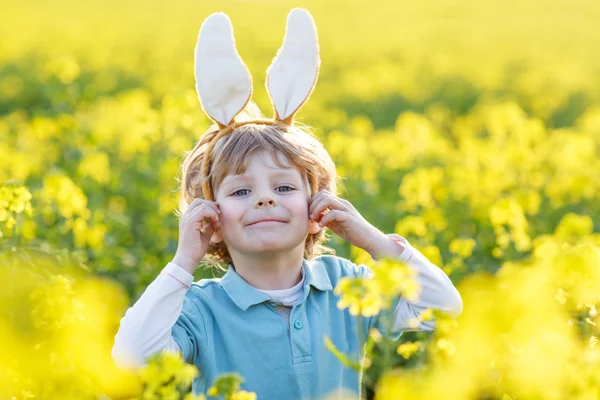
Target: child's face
<point>264,191</point>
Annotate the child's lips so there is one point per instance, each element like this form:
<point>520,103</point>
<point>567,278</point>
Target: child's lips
<point>266,222</point>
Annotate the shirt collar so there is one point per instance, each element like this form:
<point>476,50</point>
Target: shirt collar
<point>245,295</point>
<point>316,275</point>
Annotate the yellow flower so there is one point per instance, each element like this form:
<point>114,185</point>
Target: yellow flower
<point>228,385</point>
<point>407,349</point>
<point>462,247</point>
<point>376,335</point>
<point>446,346</point>
<point>192,396</point>
<point>242,395</point>
<point>426,315</point>
<point>165,373</point>
<point>14,199</point>
<point>370,305</point>
<point>68,197</point>
<point>432,253</point>
<point>412,225</point>
<point>422,187</point>
<point>352,293</point>
<point>97,166</point>
<point>367,296</point>
<point>574,225</point>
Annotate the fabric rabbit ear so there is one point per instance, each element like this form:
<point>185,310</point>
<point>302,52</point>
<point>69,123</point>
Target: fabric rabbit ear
<point>223,82</point>
<point>293,73</point>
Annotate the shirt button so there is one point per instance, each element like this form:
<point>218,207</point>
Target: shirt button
<point>298,324</point>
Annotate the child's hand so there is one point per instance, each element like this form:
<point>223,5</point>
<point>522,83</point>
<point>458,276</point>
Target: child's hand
<point>196,228</point>
<point>343,219</point>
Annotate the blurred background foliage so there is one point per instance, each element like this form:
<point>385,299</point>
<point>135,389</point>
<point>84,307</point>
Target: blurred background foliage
<point>437,115</point>
<point>472,128</point>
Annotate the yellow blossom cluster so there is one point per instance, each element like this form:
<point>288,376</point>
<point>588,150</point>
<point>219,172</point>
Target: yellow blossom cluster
<point>366,296</point>
<point>228,386</point>
<point>14,199</point>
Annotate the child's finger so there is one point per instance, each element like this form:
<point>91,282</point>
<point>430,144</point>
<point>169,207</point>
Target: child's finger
<point>318,210</point>
<point>333,215</point>
<point>316,207</point>
<point>316,197</point>
<point>208,228</point>
<point>193,205</point>
<point>198,202</point>
<point>205,212</point>
<point>330,203</point>
<point>204,209</point>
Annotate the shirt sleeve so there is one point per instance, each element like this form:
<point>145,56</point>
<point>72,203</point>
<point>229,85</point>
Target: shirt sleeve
<point>146,327</point>
<point>189,332</point>
<point>437,291</point>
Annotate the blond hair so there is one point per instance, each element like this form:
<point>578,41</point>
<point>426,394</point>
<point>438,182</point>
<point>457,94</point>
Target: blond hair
<point>230,154</point>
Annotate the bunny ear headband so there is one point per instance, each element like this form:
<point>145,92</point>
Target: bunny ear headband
<point>224,84</point>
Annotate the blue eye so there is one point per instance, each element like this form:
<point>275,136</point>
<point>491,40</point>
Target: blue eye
<point>237,191</point>
<point>278,187</point>
<point>286,186</point>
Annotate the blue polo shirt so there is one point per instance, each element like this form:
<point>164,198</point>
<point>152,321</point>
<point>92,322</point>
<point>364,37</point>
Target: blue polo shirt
<point>226,325</point>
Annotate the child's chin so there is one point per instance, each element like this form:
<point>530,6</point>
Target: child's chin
<point>275,245</point>
<point>266,247</point>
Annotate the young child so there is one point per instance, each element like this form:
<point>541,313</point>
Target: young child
<point>256,195</point>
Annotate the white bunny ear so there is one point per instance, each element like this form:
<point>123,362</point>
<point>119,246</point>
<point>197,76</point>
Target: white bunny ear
<point>293,73</point>
<point>223,82</point>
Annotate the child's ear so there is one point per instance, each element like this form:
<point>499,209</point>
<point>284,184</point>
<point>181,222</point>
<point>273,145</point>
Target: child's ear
<point>216,236</point>
<point>314,227</point>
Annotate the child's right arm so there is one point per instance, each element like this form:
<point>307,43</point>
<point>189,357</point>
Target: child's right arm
<point>146,327</point>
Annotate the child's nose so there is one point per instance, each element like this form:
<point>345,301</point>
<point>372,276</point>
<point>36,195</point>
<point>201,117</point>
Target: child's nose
<point>264,200</point>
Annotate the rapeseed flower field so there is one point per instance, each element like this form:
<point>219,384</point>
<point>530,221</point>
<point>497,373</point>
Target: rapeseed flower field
<point>472,128</point>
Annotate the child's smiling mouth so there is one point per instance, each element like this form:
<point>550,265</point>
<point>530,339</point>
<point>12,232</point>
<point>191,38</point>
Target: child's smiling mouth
<point>266,222</point>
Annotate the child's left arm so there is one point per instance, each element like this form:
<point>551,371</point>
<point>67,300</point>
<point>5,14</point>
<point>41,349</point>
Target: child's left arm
<point>437,291</point>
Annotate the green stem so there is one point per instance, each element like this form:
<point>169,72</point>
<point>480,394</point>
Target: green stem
<point>361,349</point>
<point>360,337</point>
<point>387,322</point>
<point>16,236</point>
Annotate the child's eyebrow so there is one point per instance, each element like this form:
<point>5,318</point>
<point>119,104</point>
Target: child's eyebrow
<point>233,178</point>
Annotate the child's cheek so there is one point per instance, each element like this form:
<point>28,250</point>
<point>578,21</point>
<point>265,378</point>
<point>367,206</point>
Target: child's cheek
<point>229,215</point>
<point>302,208</point>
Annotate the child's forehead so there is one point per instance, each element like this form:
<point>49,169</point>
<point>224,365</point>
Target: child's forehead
<point>281,173</point>
<point>269,160</point>
<point>264,163</point>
